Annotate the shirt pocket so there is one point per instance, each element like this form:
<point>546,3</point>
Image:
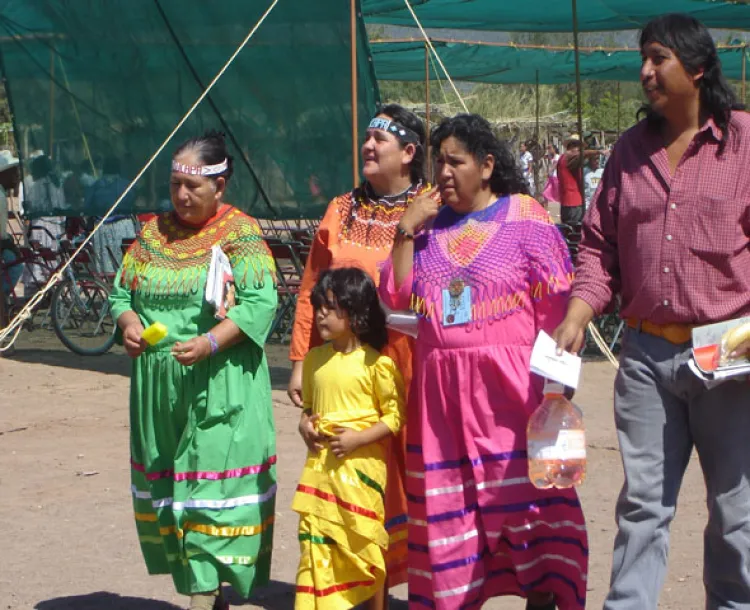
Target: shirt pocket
<point>719,230</point>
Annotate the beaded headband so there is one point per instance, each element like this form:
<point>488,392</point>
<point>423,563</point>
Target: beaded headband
<point>200,170</point>
<point>406,135</point>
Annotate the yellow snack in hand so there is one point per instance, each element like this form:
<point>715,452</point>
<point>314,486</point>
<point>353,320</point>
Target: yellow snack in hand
<point>154,333</point>
<point>731,339</point>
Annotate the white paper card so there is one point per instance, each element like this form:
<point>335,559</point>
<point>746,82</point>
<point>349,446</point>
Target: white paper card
<point>565,369</point>
<point>218,283</point>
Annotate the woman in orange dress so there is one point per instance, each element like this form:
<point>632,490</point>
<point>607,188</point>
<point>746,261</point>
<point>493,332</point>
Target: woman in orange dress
<point>358,229</point>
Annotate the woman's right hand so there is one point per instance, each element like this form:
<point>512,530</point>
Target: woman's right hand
<point>294,389</point>
<point>132,339</point>
<point>308,432</point>
<point>421,210</point>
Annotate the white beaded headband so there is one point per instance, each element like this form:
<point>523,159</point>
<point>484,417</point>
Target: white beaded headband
<point>200,170</point>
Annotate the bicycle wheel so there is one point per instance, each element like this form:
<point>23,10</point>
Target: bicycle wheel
<point>81,316</point>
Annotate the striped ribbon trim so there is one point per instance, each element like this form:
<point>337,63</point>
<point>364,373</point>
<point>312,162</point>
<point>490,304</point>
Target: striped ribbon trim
<point>394,522</point>
<point>503,508</point>
<point>371,483</point>
<point>217,504</point>
<point>316,539</point>
<point>335,588</point>
<point>209,475</point>
<point>148,517</point>
<point>335,500</point>
<point>421,600</point>
<point>466,460</point>
<point>225,531</point>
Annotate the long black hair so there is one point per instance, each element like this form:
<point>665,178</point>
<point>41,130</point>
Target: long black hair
<point>476,134</point>
<point>354,294</point>
<point>412,121</point>
<point>212,149</point>
<point>691,41</point>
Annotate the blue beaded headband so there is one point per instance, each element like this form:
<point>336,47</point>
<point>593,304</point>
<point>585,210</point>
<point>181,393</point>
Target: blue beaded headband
<point>406,135</point>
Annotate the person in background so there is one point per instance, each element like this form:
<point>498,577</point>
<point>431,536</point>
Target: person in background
<point>668,231</point>
<point>484,273</point>
<point>569,175</point>
<point>118,227</point>
<point>354,395</point>
<point>358,230</point>
<point>527,166</point>
<point>202,436</point>
<point>592,175</point>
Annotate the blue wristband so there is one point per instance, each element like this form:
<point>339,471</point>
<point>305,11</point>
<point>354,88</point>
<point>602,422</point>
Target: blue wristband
<point>213,341</point>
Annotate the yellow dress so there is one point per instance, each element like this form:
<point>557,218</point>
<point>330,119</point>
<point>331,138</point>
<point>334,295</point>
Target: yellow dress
<point>340,501</point>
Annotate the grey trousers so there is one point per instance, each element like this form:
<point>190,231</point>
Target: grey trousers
<point>661,411</point>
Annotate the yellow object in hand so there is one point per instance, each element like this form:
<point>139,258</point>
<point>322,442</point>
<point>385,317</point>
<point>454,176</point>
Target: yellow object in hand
<point>154,333</point>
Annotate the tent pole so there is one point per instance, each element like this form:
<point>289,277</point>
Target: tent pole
<point>427,109</point>
<point>619,99</point>
<point>51,152</point>
<point>579,108</point>
<point>355,118</point>
<point>744,70</point>
<point>536,133</point>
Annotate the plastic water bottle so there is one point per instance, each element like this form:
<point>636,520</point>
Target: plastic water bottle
<point>556,441</point>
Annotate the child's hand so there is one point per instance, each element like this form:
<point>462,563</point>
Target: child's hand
<point>345,441</point>
<point>308,432</point>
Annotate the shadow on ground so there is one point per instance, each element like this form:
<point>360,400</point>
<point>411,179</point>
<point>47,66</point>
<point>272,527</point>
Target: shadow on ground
<point>103,601</point>
<point>280,596</point>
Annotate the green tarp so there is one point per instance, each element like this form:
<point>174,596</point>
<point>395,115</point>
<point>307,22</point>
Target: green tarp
<point>120,74</point>
<point>552,15</point>
<point>405,61</point>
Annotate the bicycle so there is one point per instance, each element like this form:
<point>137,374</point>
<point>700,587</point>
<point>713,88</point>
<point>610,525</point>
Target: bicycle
<point>78,306</point>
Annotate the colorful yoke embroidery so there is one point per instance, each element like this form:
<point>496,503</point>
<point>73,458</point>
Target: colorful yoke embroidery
<point>168,258</point>
<point>499,254</point>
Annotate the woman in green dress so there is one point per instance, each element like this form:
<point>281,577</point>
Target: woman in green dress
<point>203,448</point>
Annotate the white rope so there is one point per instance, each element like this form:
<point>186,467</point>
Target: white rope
<point>440,61</point>
<point>57,276</point>
<point>602,345</point>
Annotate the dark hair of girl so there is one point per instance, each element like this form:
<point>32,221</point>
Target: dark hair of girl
<point>212,149</point>
<point>413,122</point>
<point>476,134</point>
<point>354,294</point>
<point>694,47</point>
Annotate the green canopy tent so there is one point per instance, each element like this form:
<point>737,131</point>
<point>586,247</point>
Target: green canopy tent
<point>88,80</point>
<point>507,63</point>
<point>553,16</point>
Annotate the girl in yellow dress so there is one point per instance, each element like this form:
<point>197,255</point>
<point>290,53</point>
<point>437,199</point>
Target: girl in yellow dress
<point>353,405</point>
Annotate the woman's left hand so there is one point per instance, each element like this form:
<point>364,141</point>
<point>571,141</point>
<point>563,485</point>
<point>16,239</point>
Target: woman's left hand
<point>345,441</point>
<point>192,351</point>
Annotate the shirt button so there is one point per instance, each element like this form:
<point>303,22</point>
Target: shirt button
<point>669,238</point>
<point>665,303</point>
<point>673,206</point>
<point>666,269</point>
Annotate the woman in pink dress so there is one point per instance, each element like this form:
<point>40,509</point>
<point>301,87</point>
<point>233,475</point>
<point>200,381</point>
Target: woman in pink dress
<point>485,273</point>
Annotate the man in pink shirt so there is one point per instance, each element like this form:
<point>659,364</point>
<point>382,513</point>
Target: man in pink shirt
<point>669,231</point>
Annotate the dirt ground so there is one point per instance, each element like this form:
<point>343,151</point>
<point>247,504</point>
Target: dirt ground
<point>68,535</point>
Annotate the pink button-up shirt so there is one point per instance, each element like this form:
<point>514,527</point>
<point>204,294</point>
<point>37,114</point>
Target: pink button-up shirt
<point>676,247</point>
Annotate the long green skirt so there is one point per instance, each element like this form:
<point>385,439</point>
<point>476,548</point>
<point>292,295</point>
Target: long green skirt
<point>203,460</point>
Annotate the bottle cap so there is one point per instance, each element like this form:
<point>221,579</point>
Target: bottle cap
<point>552,387</point>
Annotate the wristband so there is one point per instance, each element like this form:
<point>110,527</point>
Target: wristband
<point>401,232</point>
<point>213,341</point>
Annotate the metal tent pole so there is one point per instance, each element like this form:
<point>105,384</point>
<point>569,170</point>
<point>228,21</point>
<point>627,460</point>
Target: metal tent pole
<point>428,152</point>
<point>619,100</point>
<point>355,109</point>
<point>51,152</point>
<point>579,108</point>
<point>536,134</point>
<point>744,70</point>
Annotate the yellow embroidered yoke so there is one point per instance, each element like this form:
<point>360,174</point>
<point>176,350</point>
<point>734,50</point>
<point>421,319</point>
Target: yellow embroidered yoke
<point>340,501</point>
